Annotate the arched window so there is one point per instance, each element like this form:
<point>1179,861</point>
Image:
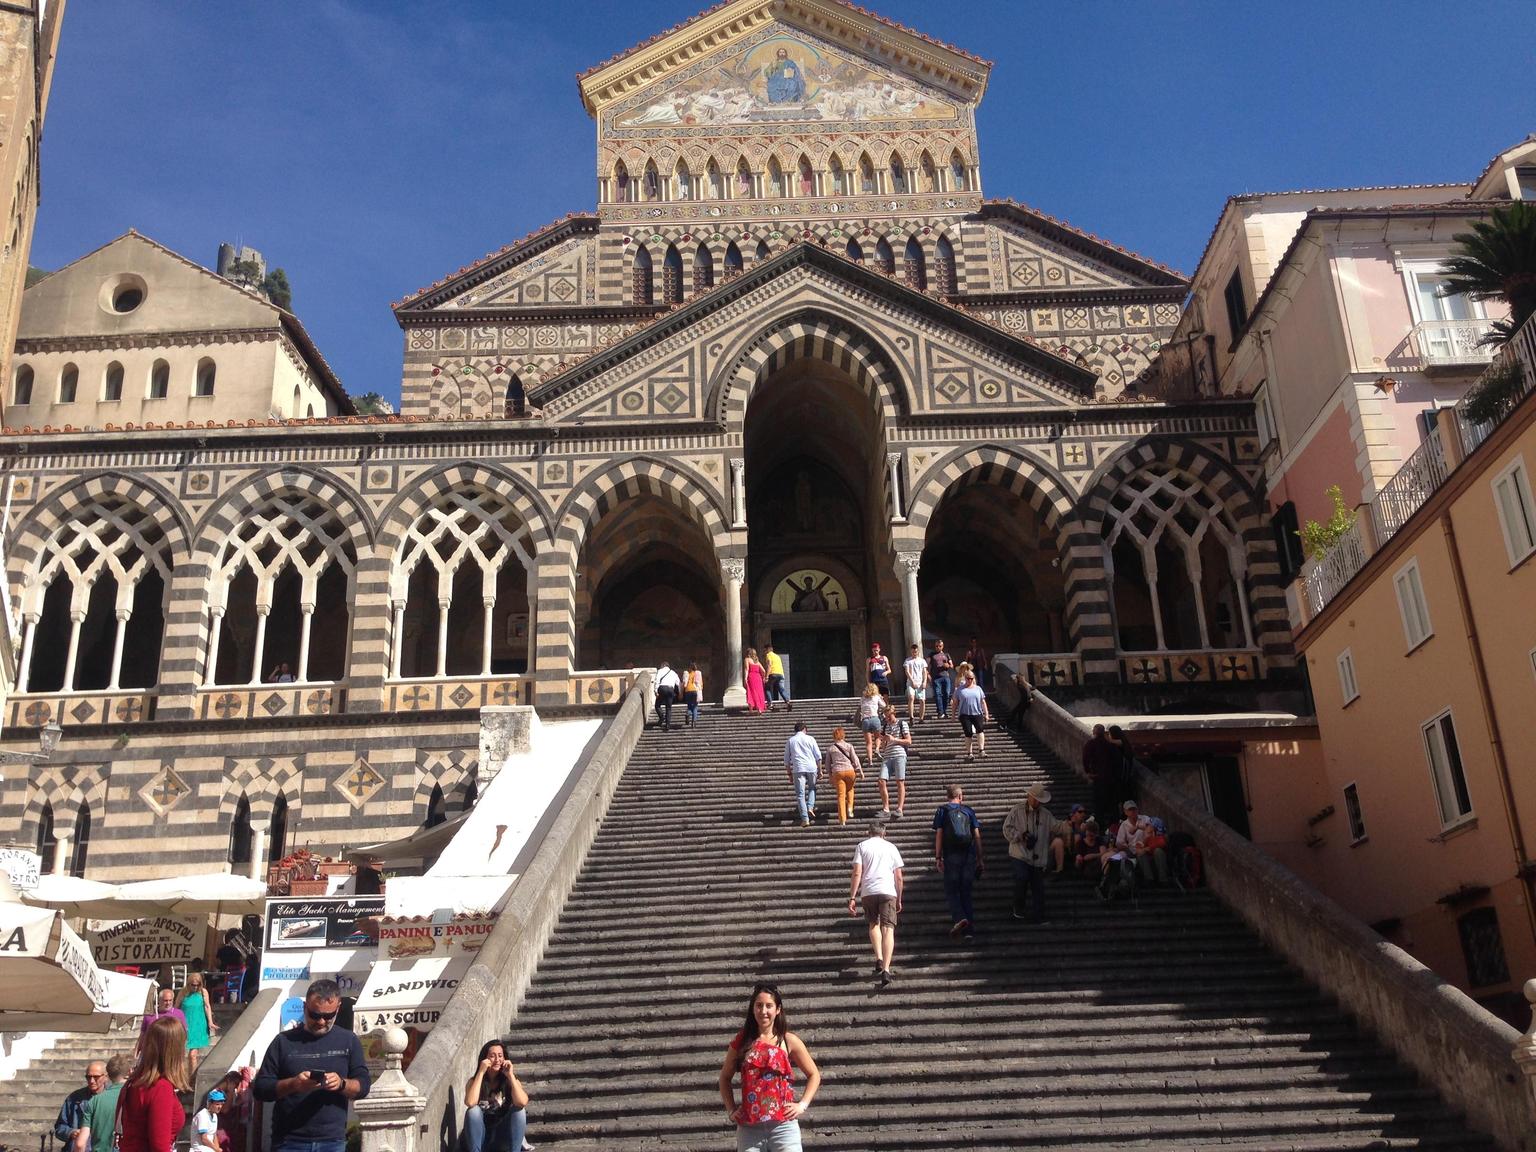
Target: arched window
<point>112,384</point>
<point>280,593</point>
<point>471,794</point>
<point>95,602</point>
<point>913,266</point>
<point>763,251</point>
<point>240,833</point>
<point>959,175</point>
<point>685,190</point>
<point>81,847</point>
<point>867,183</point>
<point>898,175</point>
<point>672,276</point>
<point>885,259</point>
<point>703,269</point>
<point>944,261</point>
<point>839,177</point>
<point>652,184</point>
<point>435,813</point>
<point>1177,566</point>
<point>775,178</point>
<point>621,183</point>
<point>47,841</point>
<point>930,174</point>
<point>309,411</point>
<point>644,285</point>
<point>517,400</point>
<point>159,380</point>
<point>22,394</point>
<point>855,251</point>
<point>716,181</point>
<point>807,177</point>
<point>69,384</point>
<point>277,829</point>
<point>733,264</point>
<point>743,180</point>
<point>206,374</point>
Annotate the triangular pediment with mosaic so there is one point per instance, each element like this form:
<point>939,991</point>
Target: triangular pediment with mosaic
<point>1024,259</point>
<point>938,367</point>
<point>778,80</point>
<point>562,275</point>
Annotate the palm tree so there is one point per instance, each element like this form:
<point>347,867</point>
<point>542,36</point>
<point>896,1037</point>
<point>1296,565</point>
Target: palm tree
<point>1497,261</point>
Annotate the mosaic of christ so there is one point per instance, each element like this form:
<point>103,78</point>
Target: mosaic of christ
<point>787,80</point>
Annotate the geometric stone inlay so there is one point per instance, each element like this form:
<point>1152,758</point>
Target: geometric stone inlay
<point>275,703</point>
<point>164,791</point>
<point>359,783</point>
<point>461,696</point>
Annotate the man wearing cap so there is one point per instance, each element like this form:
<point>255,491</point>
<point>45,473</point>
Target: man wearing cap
<point>1028,832</point>
<point>205,1125</point>
<point>1064,834</point>
<point>877,882</point>
<point>1135,839</point>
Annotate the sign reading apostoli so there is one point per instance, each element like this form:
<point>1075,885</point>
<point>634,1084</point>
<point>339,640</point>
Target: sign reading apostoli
<point>150,940</point>
<point>24,868</point>
<point>323,922</point>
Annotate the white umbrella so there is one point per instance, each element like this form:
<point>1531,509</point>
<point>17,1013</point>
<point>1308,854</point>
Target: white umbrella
<point>47,974</point>
<point>128,998</point>
<point>215,892</point>
<point>73,895</point>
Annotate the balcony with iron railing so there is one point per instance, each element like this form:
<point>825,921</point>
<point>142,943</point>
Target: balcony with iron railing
<point>1502,386</point>
<point>1451,344</point>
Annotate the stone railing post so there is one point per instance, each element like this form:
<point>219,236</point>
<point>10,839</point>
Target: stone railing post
<point>1525,1051</point>
<point>390,1115</point>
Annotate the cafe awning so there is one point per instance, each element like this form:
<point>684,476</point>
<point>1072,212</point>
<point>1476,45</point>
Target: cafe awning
<point>408,993</point>
<point>49,980</point>
<point>422,844</point>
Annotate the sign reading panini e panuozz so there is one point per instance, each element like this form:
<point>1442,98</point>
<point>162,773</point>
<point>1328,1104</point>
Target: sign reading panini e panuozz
<point>409,939</point>
<point>150,940</point>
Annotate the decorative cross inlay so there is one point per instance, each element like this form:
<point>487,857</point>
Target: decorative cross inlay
<point>130,709</point>
<point>38,713</point>
<point>359,783</point>
<point>600,690</point>
<point>164,790</point>
<point>1074,454</point>
<point>504,694</point>
<point>417,698</point>
<point>227,705</point>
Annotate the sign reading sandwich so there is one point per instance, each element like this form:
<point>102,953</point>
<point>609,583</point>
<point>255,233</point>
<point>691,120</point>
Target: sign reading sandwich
<point>404,938</point>
<point>408,994</point>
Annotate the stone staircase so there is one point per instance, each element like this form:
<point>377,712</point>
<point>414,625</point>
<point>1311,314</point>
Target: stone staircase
<point>1167,1025</point>
<point>29,1103</point>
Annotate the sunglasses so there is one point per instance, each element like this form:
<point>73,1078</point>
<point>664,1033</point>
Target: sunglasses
<point>321,1016</point>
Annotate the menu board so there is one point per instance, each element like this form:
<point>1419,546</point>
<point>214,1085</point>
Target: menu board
<point>302,925</point>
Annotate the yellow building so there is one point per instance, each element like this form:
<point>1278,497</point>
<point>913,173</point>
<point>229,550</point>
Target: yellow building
<point>1421,648</point>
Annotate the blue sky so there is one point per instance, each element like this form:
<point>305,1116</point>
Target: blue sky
<point>371,147</point>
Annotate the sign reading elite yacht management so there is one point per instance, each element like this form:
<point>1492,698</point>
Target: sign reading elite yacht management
<point>150,940</point>
<point>302,925</point>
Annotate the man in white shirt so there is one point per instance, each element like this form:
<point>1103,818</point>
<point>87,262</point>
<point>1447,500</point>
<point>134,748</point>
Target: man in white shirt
<point>1135,832</point>
<point>667,687</point>
<point>916,669</point>
<point>877,882</point>
<point>802,761</point>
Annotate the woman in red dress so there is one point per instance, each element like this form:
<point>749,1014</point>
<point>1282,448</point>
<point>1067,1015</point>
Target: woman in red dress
<point>766,1053</point>
<point>151,1116</point>
<point>752,675</point>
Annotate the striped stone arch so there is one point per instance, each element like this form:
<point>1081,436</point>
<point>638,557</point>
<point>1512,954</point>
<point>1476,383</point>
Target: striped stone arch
<point>409,505</point>
<point>1042,487</point>
<point>604,490</point>
<point>50,785</point>
<point>451,771</point>
<point>261,787</point>
<point>220,521</point>
<point>808,334</point>
<point>63,505</point>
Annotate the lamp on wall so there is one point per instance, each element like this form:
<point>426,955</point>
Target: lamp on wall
<point>47,740</point>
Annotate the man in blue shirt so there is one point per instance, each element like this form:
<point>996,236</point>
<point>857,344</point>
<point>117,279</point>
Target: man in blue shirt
<point>72,1111</point>
<point>312,1073</point>
<point>802,762</point>
<point>957,852</point>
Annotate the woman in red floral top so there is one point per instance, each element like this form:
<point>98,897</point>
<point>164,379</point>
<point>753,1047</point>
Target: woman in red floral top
<point>766,1053</point>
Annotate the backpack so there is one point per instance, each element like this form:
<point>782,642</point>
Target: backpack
<point>1119,881</point>
<point>958,828</point>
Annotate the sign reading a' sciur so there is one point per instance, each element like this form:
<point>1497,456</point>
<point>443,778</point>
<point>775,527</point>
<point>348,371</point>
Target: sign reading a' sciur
<point>150,940</point>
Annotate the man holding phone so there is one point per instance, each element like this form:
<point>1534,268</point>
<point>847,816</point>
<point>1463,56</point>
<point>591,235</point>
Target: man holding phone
<point>311,1073</point>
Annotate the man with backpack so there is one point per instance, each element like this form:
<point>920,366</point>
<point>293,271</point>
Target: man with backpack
<point>957,852</point>
<point>1028,832</point>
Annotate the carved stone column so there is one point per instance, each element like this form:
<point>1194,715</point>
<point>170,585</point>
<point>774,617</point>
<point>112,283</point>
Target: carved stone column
<point>893,472</point>
<point>390,1115</point>
<point>907,565</point>
<point>738,493</point>
<point>734,573</point>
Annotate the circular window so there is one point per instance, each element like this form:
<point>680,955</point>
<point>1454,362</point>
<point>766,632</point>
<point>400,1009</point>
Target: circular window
<point>123,293</point>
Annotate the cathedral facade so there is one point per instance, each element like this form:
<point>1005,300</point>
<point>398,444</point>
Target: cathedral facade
<point>796,380</point>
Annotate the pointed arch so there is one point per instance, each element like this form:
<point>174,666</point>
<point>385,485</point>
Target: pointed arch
<point>621,188</point>
<point>898,171</point>
<point>885,259</point>
<point>682,181</point>
<point>672,276</point>
<point>240,837</point>
<point>959,172</point>
<point>930,172</point>
<point>743,189</point>
<point>411,504</point>
<point>643,278</point>
<point>716,180</point>
<point>650,184</point>
<point>80,845</point>
<point>855,251</point>
<point>914,267</point>
<point>733,264</point>
<point>1047,491</point>
<point>806,186</point>
<point>944,266</point>
<point>774,180</point>
<point>763,252</point>
<point>869,182</point>
<point>839,176</point>
<point>703,269</point>
<point>605,488</point>
<point>515,405</point>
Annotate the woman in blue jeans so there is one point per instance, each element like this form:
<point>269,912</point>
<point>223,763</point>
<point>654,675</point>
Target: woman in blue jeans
<point>495,1104</point>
